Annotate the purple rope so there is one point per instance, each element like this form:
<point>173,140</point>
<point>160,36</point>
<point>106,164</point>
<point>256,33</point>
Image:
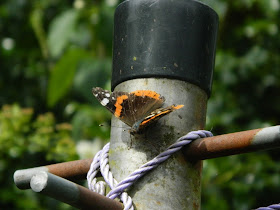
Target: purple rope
<point>271,207</point>
<point>101,161</point>
<point>133,177</point>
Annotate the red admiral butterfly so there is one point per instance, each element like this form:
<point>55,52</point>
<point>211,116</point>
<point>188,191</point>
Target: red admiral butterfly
<point>137,109</point>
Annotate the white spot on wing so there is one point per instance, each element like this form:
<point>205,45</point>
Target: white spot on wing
<point>151,115</point>
<point>105,101</point>
<point>107,95</point>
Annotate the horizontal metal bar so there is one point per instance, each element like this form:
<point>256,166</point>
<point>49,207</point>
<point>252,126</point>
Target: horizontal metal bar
<point>73,170</point>
<point>234,143</point>
<point>206,148</point>
<point>70,193</point>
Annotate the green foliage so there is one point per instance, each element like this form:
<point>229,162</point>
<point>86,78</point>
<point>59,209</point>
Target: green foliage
<point>52,53</point>
<point>244,182</point>
<point>245,89</point>
<point>29,141</point>
<point>247,65</point>
<point>64,70</point>
<point>21,135</point>
<point>90,118</point>
<point>61,30</point>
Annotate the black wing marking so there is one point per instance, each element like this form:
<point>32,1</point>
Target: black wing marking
<point>106,98</point>
<point>155,115</point>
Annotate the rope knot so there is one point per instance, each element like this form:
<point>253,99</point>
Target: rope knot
<point>101,162</point>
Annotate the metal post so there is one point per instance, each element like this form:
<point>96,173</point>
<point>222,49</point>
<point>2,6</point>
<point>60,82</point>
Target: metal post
<point>175,184</point>
<point>234,143</point>
<point>70,193</point>
<point>73,170</point>
<point>168,47</point>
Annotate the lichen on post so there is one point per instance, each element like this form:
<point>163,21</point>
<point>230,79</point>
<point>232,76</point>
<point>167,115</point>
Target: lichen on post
<point>168,47</point>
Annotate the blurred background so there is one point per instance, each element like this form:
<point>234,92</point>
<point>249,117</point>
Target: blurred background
<point>53,52</point>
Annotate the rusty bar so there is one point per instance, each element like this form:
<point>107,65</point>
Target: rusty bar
<point>213,147</point>
<point>234,143</point>
<point>73,170</point>
<point>70,193</point>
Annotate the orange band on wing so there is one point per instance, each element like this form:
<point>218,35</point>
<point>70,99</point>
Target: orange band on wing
<point>162,113</point>
<point>119,106</point>
<point>153,117</point>
<point>148,93</point>
<point>178,107</point>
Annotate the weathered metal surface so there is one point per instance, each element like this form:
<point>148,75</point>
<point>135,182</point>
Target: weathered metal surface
<point>155,184</point>
<point>22,177</point>
<point>70,193</point>
<point>165,39</point>
<point>175,184</point>
<point>71,170</point>
<point>213,147</point>
<point>234,143</point>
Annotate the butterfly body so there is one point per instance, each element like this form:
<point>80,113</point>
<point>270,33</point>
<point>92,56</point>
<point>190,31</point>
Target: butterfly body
<point>138,109</point>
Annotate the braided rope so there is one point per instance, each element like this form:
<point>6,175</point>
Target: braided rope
<point>127,182</point>
<point>271,207</point>
<point>101,162</point>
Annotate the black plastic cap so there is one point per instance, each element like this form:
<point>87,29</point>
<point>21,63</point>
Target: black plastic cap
<point>173,39</point>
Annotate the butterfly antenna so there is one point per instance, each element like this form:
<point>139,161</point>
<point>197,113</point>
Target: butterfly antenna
<point>124,128</point>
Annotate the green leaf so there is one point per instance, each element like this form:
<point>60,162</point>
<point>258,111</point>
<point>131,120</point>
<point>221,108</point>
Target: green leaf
<point>36,20</point>
<point>63,73</point>
<point>91,73</point>
<point>61,30</point>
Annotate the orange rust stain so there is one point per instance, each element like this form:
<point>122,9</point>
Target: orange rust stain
<point>149,93</point>
<point>195,205</point>
<point>118,105</point>
<point>217,146</point>
<point>158,202</point>
<point>232,141</point>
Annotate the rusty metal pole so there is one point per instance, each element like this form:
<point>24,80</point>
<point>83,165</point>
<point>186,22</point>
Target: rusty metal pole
<point>73,170</point>
<point>70,193</point>
<point>234,143</point>
<point>168,47</point>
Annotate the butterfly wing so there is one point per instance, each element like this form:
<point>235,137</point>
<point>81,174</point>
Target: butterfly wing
<point>143,102</point>
<point>159,113</point>
<point>153,117</point>
<point>129,107</point>
<point>108,99</point>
